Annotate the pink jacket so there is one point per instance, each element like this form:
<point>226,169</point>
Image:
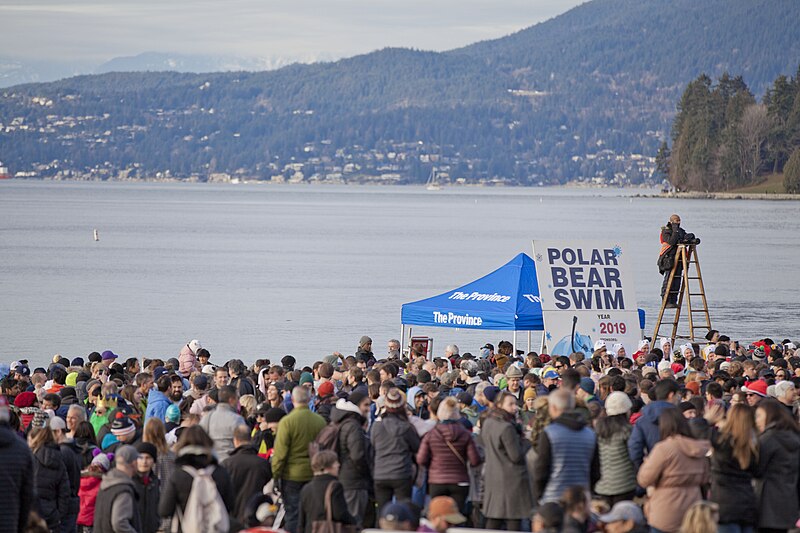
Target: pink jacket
<point>187,360</point>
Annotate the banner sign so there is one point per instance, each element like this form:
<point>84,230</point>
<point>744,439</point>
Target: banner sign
<point>587,294</point>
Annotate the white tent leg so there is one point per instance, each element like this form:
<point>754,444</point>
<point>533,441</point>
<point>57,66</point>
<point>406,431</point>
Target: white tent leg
<point>403,340</point>
<point>529,342</point>
<point>514,342</point>
<point>541,348</point>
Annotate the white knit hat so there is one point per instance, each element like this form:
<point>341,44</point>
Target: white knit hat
<point>618,403</point>
<point>194,346</point>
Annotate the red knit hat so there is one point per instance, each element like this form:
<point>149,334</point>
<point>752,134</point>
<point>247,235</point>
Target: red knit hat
<point>325,389</point>
<point>25,399</point>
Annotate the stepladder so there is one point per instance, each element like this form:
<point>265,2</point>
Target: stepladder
<point>691,294</point>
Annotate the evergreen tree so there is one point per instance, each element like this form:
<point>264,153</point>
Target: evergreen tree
<point>791,173</point>
<point>662,162</point>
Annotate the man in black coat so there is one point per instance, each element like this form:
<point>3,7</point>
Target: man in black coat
<point>15,475</point>
<point>249,472</point>
<point>354,457</point>
<point>671,235</point>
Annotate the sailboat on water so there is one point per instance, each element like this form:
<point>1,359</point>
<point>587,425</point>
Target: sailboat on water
<point>433,180</point>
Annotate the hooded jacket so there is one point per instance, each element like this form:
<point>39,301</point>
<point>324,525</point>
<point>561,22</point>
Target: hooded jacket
<point>187,360</point>
<point>116,509</point>
<point>220,424</point>
<point>295,432</point>
<point>567,455</point>
<point>673,473</point>
<point>448,465</point>
<point>157,403</point>
<point>52,485</point>
<point>396,443</point>
<point>354,446</point>
<point>90,486</point>
<point>645,433</point>
<point>16,479</point>
<point>776,488</point>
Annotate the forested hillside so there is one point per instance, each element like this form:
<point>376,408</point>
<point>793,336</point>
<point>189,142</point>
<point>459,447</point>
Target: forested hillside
<point>588,95</point>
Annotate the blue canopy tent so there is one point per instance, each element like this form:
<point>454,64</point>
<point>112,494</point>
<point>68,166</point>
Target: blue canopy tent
<point>504,300</point>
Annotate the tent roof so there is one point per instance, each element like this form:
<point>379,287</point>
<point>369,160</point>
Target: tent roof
<point>506,299</point>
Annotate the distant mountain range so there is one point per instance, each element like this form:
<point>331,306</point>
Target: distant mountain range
<point>588,95</point>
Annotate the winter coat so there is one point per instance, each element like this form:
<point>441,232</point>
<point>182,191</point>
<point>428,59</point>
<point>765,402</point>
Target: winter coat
<point>73,462</point>
<point>295,432</point>
<point>220,423</point>
<point>16,480</point>
<point>776,488</point>
<point>312,503</point>
<point>507,491</point>
<point>90,486</point>
<point>86,449</point>
<point>566,456</point>
<point>116,509</point>
<point>249,473</point>
<point>157,403</point>
<point>446,466</point>
<point>732,487</point>
<point>52,485</point>
<point>148,494</point>
<point>187,361</point>
<point>617,475</point>
<point>395,442</point>
<point>324,407</point>
<point>175,492</point>
<point>645,433</point>
<point>355,449</point>
<point>673,473</point>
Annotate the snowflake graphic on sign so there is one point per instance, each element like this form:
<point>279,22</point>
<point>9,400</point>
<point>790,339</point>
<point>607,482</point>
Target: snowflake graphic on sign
<point>617,250</point>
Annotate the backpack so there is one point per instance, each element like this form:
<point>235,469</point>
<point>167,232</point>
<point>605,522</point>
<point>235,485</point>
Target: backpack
<point>205,511</point>
<point>326,439</point>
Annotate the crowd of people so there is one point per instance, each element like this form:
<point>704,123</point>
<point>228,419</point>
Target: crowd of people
<point>696,438</point>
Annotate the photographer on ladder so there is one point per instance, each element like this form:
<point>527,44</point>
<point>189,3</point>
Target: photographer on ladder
<point>671,236</point>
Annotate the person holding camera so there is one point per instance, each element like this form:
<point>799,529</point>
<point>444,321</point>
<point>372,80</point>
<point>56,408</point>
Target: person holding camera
<point>671,236</point>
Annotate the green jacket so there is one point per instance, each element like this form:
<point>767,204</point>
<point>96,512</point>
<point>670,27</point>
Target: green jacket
<point>296,431</point>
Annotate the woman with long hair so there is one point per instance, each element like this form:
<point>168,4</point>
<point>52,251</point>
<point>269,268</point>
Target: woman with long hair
<point>274,396</point>
<point>50,476</point>
<point>195,451</point>
<point>673,472</point>
<point>395,442</point>
<point>733,464</point>
<point>155,434</point>
<point>86,441</point>
<point>617,473</point>
<point>778,467</point>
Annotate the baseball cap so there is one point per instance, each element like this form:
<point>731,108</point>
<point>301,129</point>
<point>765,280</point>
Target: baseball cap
<point>599,345</point>
<point>445,507</point>
<point>396,512</point>
<point>550,373</point>
<point>625,510</point>
<point>108,354</point>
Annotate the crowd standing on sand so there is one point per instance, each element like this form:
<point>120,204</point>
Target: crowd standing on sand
<point>695,438</point>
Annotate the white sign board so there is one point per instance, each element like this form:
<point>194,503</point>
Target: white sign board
<point>587,294</point>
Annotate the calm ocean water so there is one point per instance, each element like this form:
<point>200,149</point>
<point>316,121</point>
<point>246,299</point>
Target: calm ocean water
<point>255,271</point>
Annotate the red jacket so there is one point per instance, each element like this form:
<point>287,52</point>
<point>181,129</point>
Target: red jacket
<point>445,466</point>
<point>90,486</point>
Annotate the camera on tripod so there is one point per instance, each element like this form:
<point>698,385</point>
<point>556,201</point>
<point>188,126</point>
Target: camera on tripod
<point>690,238</point>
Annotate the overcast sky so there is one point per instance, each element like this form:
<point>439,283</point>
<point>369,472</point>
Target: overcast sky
<point>98,30</point>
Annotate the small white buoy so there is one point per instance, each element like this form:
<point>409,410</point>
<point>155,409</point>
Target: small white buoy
<point>540,199</point>
<point>96,235</point>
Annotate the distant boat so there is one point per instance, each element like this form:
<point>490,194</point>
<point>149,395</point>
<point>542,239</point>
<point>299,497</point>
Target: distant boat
<point>4,174</point>
<point>433,183</point>
<point>96,235</point>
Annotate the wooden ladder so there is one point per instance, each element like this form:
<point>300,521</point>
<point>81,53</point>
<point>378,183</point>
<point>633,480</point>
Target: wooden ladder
<point>685,257</point>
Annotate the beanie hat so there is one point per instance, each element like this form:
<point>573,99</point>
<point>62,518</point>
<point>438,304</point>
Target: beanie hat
<point>686,406</point>
<point>364,340</point>
<point>465,398</point>
<point>40,419</point>
<point>618,403</point>
<point>78,361</point>
<point>72,379</point>
<point>194,346</point>
<point>147,448</point>
<point>122,426</point>
<point>664,365</point>
<point>395,399</point>
<point>491,393</point>
<point>325,389</point>
<point>356,397</point>
<point>172,414</point>
<point>530,394</point>
<point>306,377</point>
<point>102,460</point>
<point>587,385</point>
<point>331,359</point>
<point>287,361</point>
<point>57,423</point>
<point>274,414</point>
<point>648,370</point>
<point>693,386</point>
<point>25,399</point>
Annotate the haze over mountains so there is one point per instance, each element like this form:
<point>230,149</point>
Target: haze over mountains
<point>588,95</point>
